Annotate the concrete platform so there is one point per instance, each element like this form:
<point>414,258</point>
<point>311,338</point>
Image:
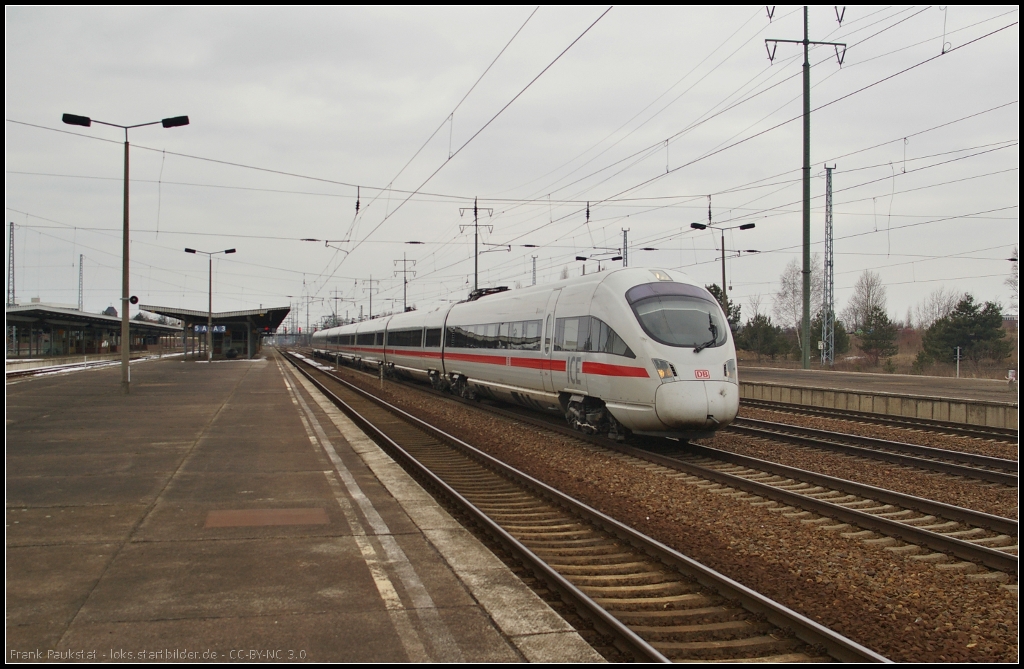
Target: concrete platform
<point>985,402</point>
<point>225,512</point>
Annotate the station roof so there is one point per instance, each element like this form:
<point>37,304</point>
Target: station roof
<point>266,318</point>
<point>40,314</point>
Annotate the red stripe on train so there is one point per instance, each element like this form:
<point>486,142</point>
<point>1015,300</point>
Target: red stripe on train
<point>539,363</point>
<point>483,359</point>
<point>602,369</point>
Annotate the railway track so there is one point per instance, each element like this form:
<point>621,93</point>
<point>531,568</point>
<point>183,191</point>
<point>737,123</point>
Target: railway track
<point>920,528</point>
<point>658,604</point>
<point>949,536</point>
<point>956,463</point>
<point>35,371</point>
<point>905,422</point>
<point>39,371</point>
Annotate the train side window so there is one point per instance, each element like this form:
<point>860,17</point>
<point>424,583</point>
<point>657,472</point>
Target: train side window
<point>433,339</point>
<point>490,336</point>
<point>605,340</point>
<point>567,331</point>
<point>364,339</point>
<point>379,340</point>
<point>515,335</point>
<point>503,340</point>
<point>547,335</point>
<point>531,336</point>
<point>406,338</point>
<point>583,337</point>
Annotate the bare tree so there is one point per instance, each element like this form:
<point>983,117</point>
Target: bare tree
<point>939,304</point>
<point>755,304</point>
<point>1012,281</point>
<point>789,300</point>
<point>868,294</point>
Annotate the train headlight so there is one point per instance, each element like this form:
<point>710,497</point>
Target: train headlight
<point>730,371</point>
<point>665,370</point>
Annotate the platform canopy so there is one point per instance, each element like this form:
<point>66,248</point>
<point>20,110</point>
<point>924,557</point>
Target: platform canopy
<point>40,315</point>
<point>263,320</point>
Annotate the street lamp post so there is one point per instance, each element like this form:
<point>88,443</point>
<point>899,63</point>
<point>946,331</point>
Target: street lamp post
<point>209,316</point>
<point>173,122</point>
<point>701,226</point>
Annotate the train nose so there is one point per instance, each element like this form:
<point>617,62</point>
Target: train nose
<point>696,405</point>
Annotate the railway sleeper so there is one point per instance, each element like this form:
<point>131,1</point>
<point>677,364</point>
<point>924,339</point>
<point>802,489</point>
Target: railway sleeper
<point>682,616</point>
<point>552,526</point>
<point>589,569</point>
<point>998,542</point>
<point>662,588</point>
<point>730,629</point>
<point>728,649</point>
<point>627,581</point>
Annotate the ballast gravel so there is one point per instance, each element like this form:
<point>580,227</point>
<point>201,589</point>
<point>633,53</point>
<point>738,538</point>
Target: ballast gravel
<point>901,608</point>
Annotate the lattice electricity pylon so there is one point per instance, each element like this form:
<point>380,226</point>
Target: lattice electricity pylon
<point>10,271</point>
<point>828,308</point>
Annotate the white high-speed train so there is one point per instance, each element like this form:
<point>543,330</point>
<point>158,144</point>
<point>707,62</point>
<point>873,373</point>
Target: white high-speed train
<point>641,350</point>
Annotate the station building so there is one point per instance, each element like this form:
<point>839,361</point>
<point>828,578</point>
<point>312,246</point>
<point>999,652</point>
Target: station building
<point>236,334</point>
<point>39,330</point>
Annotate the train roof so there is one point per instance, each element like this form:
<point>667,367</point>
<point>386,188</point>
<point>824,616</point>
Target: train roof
<point>618,280</point>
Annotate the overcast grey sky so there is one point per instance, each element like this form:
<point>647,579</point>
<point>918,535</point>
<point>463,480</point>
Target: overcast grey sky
<point>651,110</point>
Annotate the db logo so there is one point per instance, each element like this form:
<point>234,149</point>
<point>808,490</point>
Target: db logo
<point>702,373</point>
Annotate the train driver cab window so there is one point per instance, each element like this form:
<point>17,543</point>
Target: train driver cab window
<point>679,315</point>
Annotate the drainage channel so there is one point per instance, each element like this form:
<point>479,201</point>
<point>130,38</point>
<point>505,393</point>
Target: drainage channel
<point>658,604</point>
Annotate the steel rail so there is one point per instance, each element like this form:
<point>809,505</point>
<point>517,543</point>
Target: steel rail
<point>804,628</point>
<point>923,457</point>
<point>905,422</point>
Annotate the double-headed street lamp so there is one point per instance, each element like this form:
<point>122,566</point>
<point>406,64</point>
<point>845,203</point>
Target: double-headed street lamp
<point>702,226</point>
<point>595,256</point>
<point>209,317</point>
<point>174,122</point>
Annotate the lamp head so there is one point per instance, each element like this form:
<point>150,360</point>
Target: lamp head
<point>190,250</point>
<point>698,226</point>
<point>229,251</point>
<point>175,121</point>
<point>746,226</point>
<point>72,119</point>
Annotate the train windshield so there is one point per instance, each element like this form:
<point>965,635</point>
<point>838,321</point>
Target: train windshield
<point>681,320</point>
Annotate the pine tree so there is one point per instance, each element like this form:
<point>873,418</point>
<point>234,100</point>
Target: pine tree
<point>880,334</point>
<point>761,337</point>
<point>734,306</point>
<point>975,328</point>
